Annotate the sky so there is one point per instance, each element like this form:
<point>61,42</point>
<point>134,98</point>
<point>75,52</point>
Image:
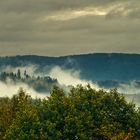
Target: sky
<point>64,27</point>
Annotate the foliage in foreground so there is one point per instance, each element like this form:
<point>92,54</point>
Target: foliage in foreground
<point>83,114</point>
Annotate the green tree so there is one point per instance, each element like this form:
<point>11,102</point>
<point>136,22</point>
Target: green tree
<point>25,125</point>
<point>83,114</point>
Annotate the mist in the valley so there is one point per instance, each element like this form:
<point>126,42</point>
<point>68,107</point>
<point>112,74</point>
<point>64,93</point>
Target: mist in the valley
<point>69,77</point>
<point>9,89</point>
<point>66,78</point>
<point>72,77</point>
<point>131,92</point>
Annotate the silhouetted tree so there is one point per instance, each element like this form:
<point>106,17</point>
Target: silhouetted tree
<point>18,74</point>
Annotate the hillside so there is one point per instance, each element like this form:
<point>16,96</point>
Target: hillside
<point>96,67</point>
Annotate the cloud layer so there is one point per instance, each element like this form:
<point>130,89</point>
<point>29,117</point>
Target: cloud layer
<point>66,78</point>
<point>52,27</point>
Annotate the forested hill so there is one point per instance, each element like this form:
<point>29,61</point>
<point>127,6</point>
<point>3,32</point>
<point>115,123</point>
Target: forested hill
<point>121,67</point>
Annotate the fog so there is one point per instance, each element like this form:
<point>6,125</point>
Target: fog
<point>31,69</point>
<point>9,89</point>
<point>131,92</point>
<point>69,77</point>
<point>66,78</point>
<point>72,77</point>
<point>130,88</point>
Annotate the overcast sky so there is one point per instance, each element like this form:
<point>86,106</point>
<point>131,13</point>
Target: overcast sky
<point>62,27</point>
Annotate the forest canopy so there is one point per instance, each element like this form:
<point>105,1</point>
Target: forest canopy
<point>81,114</point>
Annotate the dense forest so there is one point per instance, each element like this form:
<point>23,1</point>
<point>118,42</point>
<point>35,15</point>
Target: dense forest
<point>81,114</point>
<point>96,67</point>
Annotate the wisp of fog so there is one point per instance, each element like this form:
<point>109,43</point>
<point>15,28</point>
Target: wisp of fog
<point>65,77</point>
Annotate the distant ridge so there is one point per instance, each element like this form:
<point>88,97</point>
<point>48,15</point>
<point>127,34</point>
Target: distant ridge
<point>71,55</point>
<point>96,66</point>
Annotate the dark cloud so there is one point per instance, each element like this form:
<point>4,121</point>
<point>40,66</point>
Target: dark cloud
<point>47,5</point>
<point>52,27</point>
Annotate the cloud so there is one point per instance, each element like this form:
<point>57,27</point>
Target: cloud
<point>66,78</point>
<point>131,92</point>
<point>133,98</point>
<point>69,77</point>
<point>129,88</point>
<point>73,14</point>
<point>52,27</point>
<point>9,89</point>
<point>120,9</point>
<point>20,6</point>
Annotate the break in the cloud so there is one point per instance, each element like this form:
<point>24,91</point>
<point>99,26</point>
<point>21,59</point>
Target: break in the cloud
<point>52,27</point>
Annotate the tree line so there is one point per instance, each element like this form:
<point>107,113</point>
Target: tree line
<point>38,83</point>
